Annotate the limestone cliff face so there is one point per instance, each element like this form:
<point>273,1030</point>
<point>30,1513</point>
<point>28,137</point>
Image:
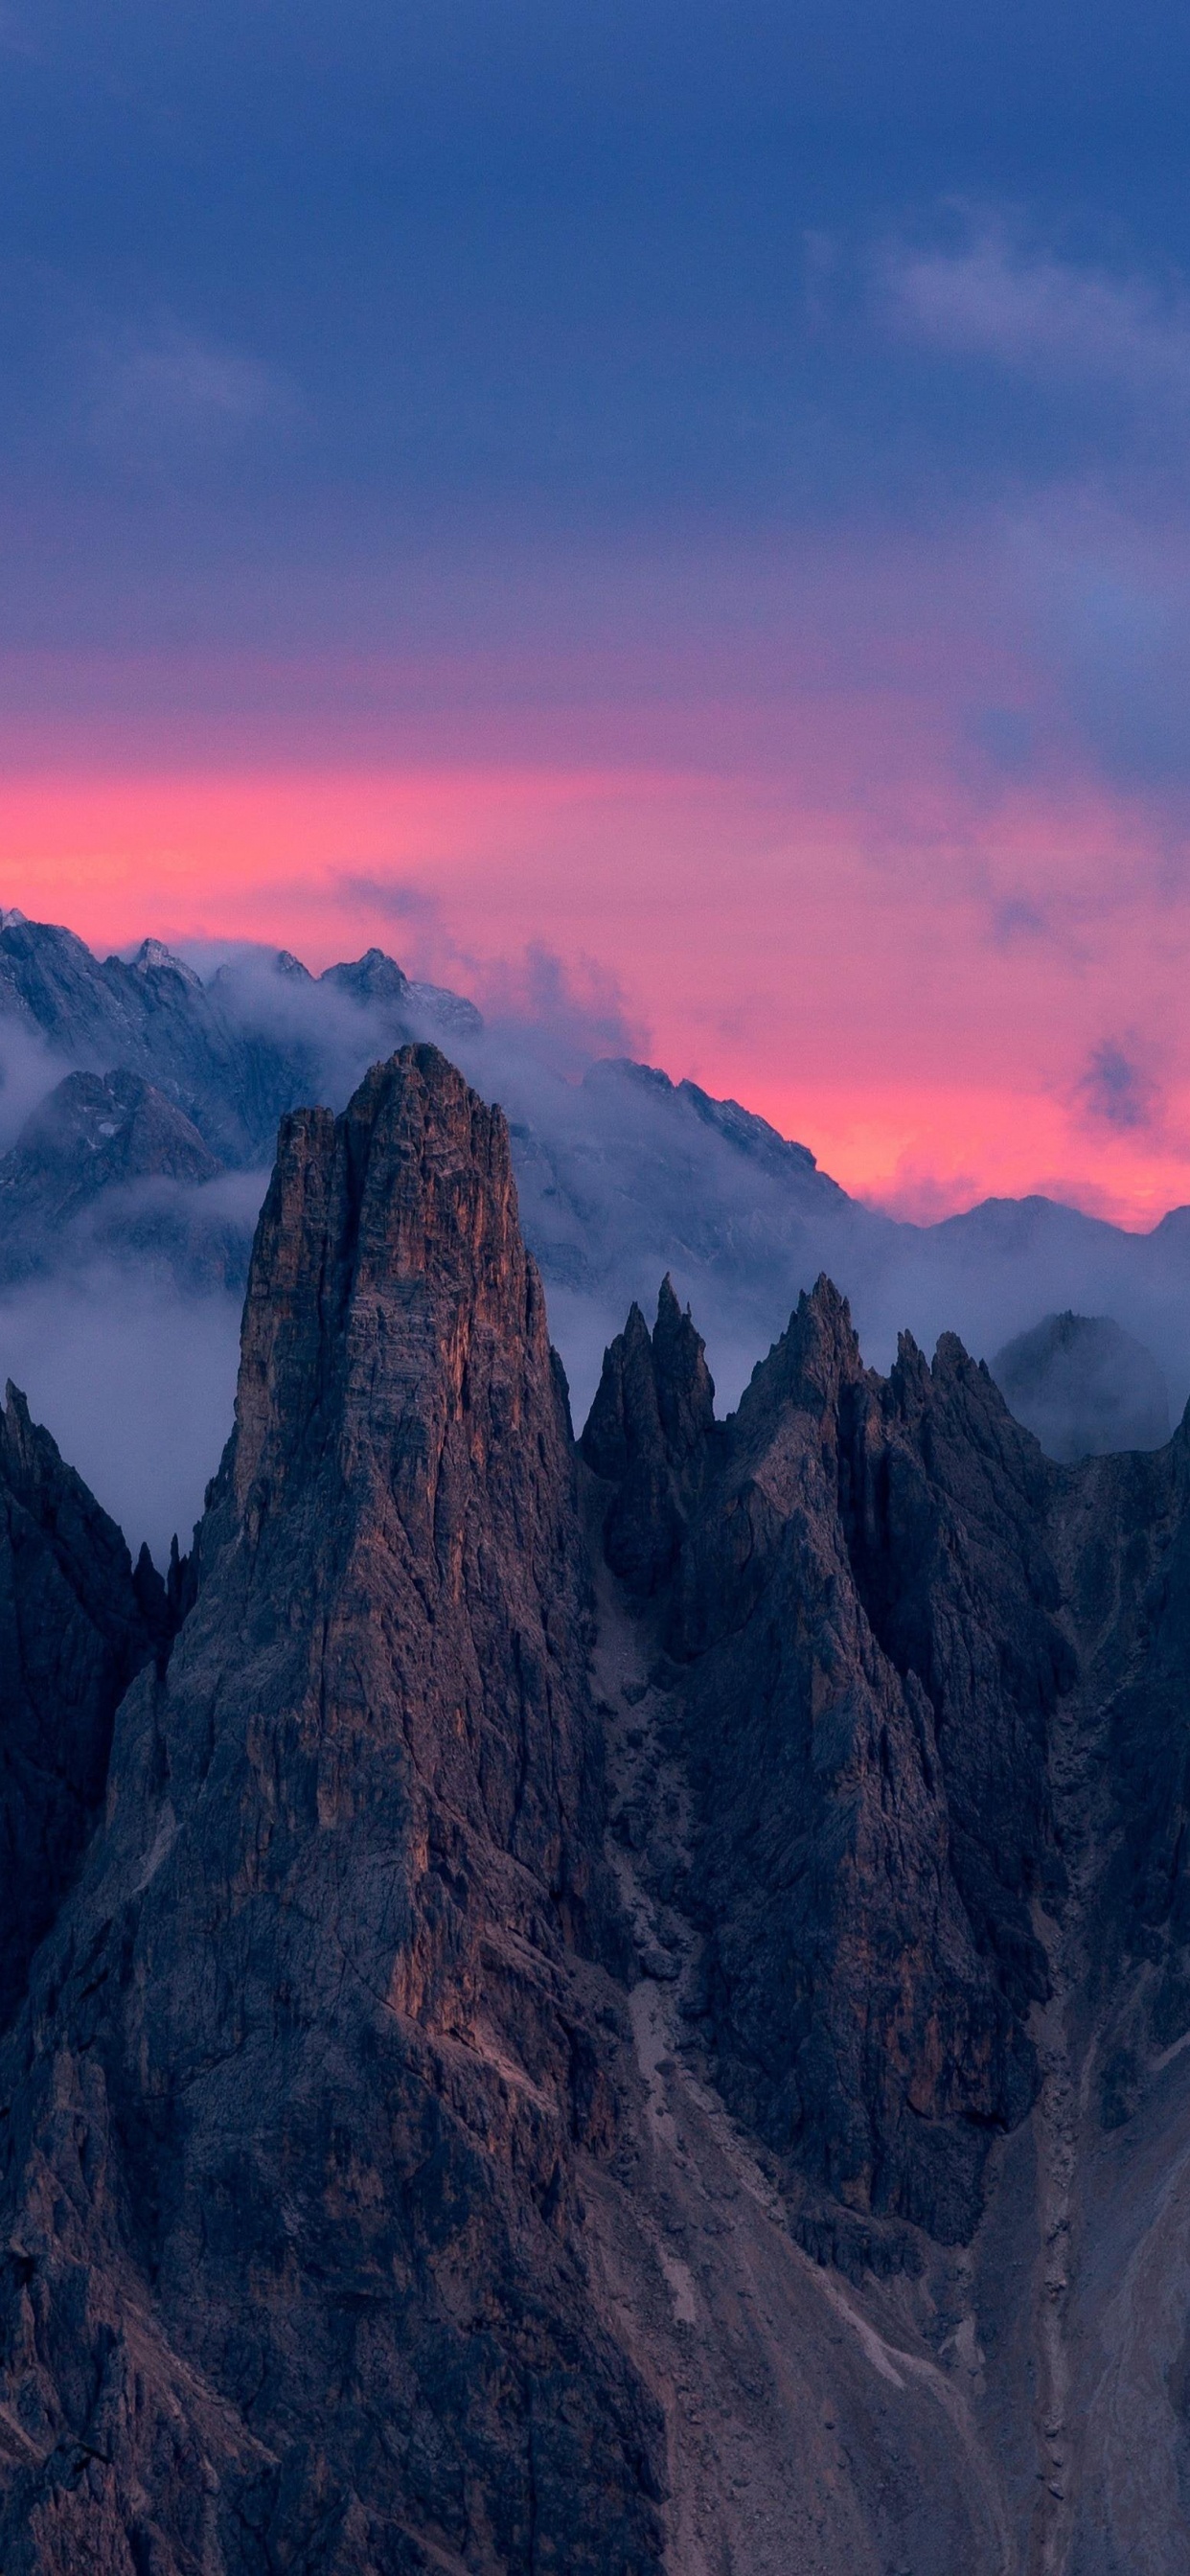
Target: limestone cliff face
<point>295,2102</point>
<point>929,1691</point>
<point>1127,1525</point>
<point>864,1614</point>
<point>607,2009</point>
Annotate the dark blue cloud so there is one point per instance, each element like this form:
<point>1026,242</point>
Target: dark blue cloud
<point>1118,1090</point>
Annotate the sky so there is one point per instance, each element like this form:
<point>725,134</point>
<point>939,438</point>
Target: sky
<point>687,502</point>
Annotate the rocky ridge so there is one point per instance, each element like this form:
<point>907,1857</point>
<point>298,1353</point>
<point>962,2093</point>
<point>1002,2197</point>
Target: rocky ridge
<point>105,1161</point>
<point>627,2007</point>
<point>622,1173</point>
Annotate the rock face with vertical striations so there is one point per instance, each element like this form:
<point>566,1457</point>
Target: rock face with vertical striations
<point>872,1767</point>
<point>610,2009</point>
<point>928,1692</point>
<point>299,2085</point>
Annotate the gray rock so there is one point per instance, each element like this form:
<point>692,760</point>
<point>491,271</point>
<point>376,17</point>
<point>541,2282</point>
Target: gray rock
<point>93,1140</point>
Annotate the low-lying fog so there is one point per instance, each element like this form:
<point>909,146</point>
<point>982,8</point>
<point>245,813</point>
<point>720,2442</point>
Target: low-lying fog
<point>621,1177</point>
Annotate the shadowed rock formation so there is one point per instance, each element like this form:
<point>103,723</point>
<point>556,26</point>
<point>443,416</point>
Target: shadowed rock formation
<point>626,2010</point>
<point>873,1777</point>
<point>75,1625</point>
<point>928,1692</point>
<point>648,1433</point>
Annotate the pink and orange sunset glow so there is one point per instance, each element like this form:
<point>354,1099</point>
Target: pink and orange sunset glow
<point>957,1012</point>
<point>726,540</point>
<point>594,1288</point>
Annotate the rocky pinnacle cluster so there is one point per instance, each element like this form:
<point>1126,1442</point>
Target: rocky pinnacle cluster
<point>580,2008</point>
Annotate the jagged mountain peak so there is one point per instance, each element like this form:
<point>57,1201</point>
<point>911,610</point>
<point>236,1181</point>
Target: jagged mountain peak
<point>93,1164</point>
<point>353,1837</point>
<point>621,1177</point>
<point>154,958</point>
<point>120,1118</point>
<point>1084,1386</point>
<point>419,2027</point>
<point>16,1413</point>
<point>652,1417</point>
<point>374,977</point>
<point>685,1387</point>
<point>742,1129</point>
<point>817,1353</point>
<point>377,1217</point>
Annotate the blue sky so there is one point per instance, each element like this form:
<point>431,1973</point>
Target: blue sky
<point>281,283</point>
<point>789,396</point>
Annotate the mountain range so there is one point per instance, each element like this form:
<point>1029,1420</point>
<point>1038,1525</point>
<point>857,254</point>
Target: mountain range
<point>595,2005</point>
<point>137,1123</point>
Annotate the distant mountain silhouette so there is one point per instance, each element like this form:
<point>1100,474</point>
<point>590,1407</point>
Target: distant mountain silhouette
<point>623,1175</point>
<point>1084,1386</point>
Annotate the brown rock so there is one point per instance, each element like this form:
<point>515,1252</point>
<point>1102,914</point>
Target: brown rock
<point>299,2282</point>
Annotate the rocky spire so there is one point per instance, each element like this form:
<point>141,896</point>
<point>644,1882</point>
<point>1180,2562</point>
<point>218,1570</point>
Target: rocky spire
<point>356,2219</point>
<point>648,1432</point>
<point>331,2093</point>
<point>873,1763</point>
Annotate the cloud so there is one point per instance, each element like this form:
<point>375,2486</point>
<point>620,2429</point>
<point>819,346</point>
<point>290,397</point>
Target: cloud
<point>566,1012</point>
<point>174,386</point>
<point>28,1070</point>
<point>1018,920</point>
<point>917,1193</point>
<point>135,1381</point>
<point>395,899</point>
<point>1066,326</point>
<point>1117,1090</point>
<point>128,1351</point>
<point>621,1176</point>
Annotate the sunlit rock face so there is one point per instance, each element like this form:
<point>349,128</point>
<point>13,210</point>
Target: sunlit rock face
<point>610,2007</point>
<point>301,2078</point>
